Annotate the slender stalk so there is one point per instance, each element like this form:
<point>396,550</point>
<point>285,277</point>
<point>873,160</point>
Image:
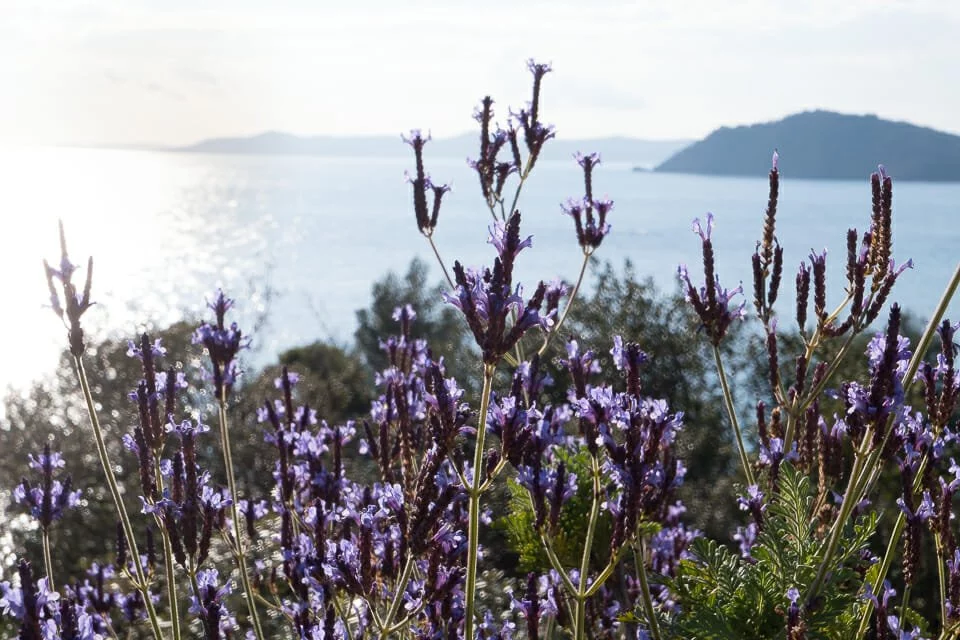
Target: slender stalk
<point>557,565</point>
<point>48,560</point>
<point>603,575</point>
<point>443,267</point>
<point>493,475</point>
<point>732,413</point>
<point>343,616</point>
<point>850,498</point>
<point>385,627</point>
<point>941,578</point>
<point>573,296</point>
<point>908,380</point>
<point>832,369</point>
<point>931,329</point>
<point>473,531</point>
<point>904,605</point>
<point>794,412</point>
<point>168,567</point>
<point>141,583</point>
<point>581,614</point>
<point>193,581</point>
<point>887,560</point>
<point>640,559</point>
<point>516,194</point>
<point>797,413</point>
<point>518,347</point>
<point>237,532</point>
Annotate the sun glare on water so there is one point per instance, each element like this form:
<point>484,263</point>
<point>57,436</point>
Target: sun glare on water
<point>113,207</point>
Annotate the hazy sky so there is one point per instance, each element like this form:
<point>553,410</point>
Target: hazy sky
<point>176,71</point>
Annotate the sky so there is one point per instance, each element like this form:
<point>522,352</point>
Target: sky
<point>174,72</point>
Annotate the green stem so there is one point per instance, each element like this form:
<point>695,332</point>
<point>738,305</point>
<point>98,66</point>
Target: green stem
<point>832,369</point>
<point>193,580</point>
<point>237,532</point>
<point>581,616</point>
<point>640,559</point>
<point>343,616</point>
<point>796,414</point>
<point>573,296</point>
<point>942,578</point>
<point>850,498</point>
<point>928,333</point>
<point>602,576</point>
<point>892,544</point>
<point>556,564</point>
<point>385,627</point>
<point>48,559</point>
<point>732,413</point>
<point>167,558</point>
<point>473,531</point>
<point>905,604</point>
<point>493,475</point>
<point>516,194</point>
<point>908,381</point>
<point>141,583</point>
<point>443,267</point>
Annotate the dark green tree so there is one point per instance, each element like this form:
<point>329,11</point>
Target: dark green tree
<point>439,323</point>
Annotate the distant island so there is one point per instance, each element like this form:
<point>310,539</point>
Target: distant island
<point>646,153</point>
<point>824,145</point>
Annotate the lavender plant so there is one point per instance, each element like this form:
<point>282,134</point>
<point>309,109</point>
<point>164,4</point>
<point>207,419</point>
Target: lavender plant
<point>593,469</point>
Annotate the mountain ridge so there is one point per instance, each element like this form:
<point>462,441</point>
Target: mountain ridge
<point>611,148</point>
<point>822,144</point>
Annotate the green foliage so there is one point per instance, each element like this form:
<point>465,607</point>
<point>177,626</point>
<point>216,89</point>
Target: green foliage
<point>569,541</point>
<point>726,596</point>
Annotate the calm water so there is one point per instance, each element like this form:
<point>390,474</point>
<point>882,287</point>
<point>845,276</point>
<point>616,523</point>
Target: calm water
<point>166,229</point>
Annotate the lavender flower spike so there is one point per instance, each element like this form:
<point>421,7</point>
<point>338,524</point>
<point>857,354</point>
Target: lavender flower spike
<point>487,297</point>
<point>426,215</point>
<point>711,302</point>
<point>589,214</point>
<point>74,304</point>
<point>222,343</point>
<point>47,502</point>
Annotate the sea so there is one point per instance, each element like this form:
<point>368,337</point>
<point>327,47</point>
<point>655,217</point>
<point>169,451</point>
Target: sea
<point>298,241</point>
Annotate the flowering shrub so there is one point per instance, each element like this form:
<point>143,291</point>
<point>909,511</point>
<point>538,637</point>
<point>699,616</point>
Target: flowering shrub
<point>592,470</point>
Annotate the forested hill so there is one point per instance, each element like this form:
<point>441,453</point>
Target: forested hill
<point>824,145</point>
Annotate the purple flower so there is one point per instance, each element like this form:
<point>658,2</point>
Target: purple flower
<point>488,298</point>
<point>535,133</point>
<point>794,628</point>
<point>893,622</point>
<point>590,221</point>
<point>222,344</point>
<point>712,302</point>
<point>75,303</point>
<point>135,350</point>
<point>923,513</point>
<point>746,537</point>
<point>207,604</point>
<point>628,358</point>
<point>49,500</point>
<point>753,504</point>
<point>426,219</point>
